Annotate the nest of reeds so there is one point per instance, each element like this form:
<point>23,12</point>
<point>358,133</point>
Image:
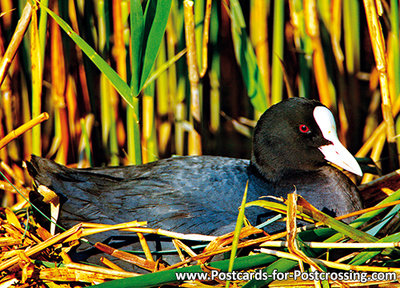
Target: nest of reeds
<point>361,254</point>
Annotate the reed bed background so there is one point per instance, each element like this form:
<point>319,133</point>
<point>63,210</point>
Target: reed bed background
<point>122,91</point>
<point>128,82</point>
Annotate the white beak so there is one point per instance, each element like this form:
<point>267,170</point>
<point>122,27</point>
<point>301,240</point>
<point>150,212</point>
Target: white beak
<point>335,153</point>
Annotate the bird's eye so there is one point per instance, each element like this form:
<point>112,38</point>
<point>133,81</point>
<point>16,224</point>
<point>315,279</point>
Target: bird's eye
<point>304,129</point>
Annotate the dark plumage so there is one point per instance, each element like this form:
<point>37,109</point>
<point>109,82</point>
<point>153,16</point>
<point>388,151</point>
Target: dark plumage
<point>201,194</point>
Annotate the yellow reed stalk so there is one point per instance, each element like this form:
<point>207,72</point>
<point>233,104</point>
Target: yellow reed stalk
<point>120,55</point>
<point>320,71</point>
<point>26,267</point>
<point>145,246</point>
<point>41,246</point>
<point>16,232</point>
<point>378,131</point>
<point>149,144</point>
<point>291,227</point>
<point>336,33</point>
<point>8,254</point>
<point>116,226</point>
<point>148,124</point>
<point>36,66</point>
<point>180,245</point>
<point>227,239</point>
<point>375,156</point>
<point>58,65</point>
<point>3,152</point>
<point>12,219</point>
<point>166,127</point>
<point>7,106</point>
<point>22,129</point>
<point>390,67</point>
<point>15,41</point>
<point>105,271</point>
<point>178,249</point>
<point>166,65</point>
<point>17,174</point>
<point>65,257</point>
<point>26,112</point>
<point>195,112</point>
<point>70,97</point>
<point>215,101</point>
<point>378,47</point>
<point>87,123</point>
<point>371,120</point>
<point>172,74</point>
<point>119,44</point>
<point>73,275</point>
<point>259,38</point>
<point>194,237</point>
<point>185,248</point>
<point>206,37</point>
<point>98,228</point>
<point>294,21</point>
<point>162,91</point>
<point>344,123</point>
<point>180,112</point>
<point>9,241</point>
<point>382,179</point>
<point>58,89</point>
<point>367,146</point>
<point>360,212</point>
<point>82,73</point>
<point>334,245</point>
<point>128,257</point>
<point>111,265</point>
<point>379,7</point>
<point>211,253</point>
<point>163,107</point>
<point>7,7</point>
<point>13,174</point>
<point>331,264</point>
<point>4,185</point>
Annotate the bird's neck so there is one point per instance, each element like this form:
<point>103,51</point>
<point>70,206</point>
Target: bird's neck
<point>266,172</point>
<point>275,174</point>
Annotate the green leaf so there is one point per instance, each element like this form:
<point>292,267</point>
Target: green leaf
<point>326,232</point>
<point>137,29</point>
<point>238,228</point>
<point>247,60</point>
<point>169,276</point>
<point>147,32</point>
<point>274,206</point>
<point>156,16</point>
<point>281,266</point>
<point>337,225</point>
<point>382,222</point>
<point>370,253</point>
<point>370,215</point>
<point>119,84</point>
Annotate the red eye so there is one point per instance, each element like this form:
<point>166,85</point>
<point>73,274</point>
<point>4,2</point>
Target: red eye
<point>304,128</point>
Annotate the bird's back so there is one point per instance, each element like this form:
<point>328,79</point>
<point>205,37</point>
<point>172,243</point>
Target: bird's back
<point>185,194</point>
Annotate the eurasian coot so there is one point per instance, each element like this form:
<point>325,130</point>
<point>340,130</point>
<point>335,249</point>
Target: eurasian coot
<point>293,142</point>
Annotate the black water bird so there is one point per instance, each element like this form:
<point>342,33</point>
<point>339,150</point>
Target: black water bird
<point>293,143</point>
